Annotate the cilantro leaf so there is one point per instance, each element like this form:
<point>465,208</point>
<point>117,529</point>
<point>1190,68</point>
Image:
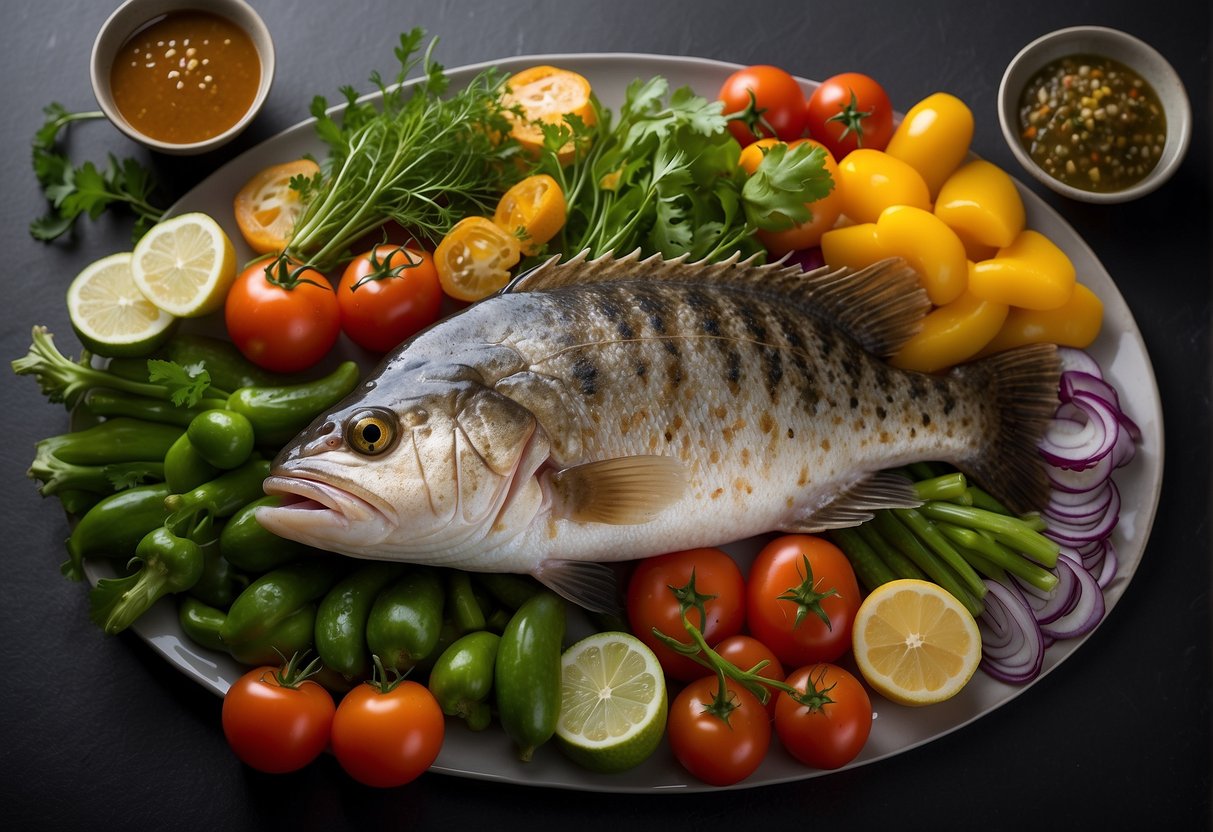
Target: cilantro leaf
<point>776,196</point>
<point>188,383</point>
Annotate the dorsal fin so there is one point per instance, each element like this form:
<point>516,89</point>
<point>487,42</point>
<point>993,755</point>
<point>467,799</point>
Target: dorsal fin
<point>880,306</point>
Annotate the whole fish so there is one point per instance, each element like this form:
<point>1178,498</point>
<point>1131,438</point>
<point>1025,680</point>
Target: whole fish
<point>613,409</point>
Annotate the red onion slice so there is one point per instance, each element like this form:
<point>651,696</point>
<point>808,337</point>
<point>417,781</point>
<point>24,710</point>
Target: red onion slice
<point>1047,607</point>
<point>1083,507</point>
<point>1087,479</point>
<point>1108,567</point>
<point>1087,611</point>
<point>1077,361</point>
<point>1011,645</point>
<point>1083,432</point>
<point>1082,382</point>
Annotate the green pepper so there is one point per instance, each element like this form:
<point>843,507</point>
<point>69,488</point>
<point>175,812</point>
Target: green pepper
<point>290,635</point>
<point>280,412</point>
<point>223,438</point>
<point>169,563</point>
<point>342,618</point>
<point>114,526</point>
<point>406,620</point>
<point>110,403</point>
<point>222,496</point>
<point>275,596</point>
<point>184,467</point>
<point>76,501</point>
<point>511,590</point>
<point>247,545</point>
<point>201,623</point>
<point>465,610</point>
<point>104,458</point>
<point>220,582</point>
<point>527,673</point>
<point>462,678</point>
<point>226,365</point>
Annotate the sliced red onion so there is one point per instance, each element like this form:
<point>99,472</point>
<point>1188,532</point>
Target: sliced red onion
<point>1012,649</point>
<point>1108,567</point>
<point>1080,497</point>
<point>1125,448</point>
<point>1076,361</point>
<point>1078,534</point>
<point>1081,481</point>
<point>1083,506</point>
<point>1081,382</point>
<point>1047,607</point>
<point>1087,610</point>
<point>1067,446</point>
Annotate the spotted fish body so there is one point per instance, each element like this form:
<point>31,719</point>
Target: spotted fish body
<point>614,409</point>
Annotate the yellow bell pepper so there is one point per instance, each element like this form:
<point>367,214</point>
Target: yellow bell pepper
<point>1031,273</point>
<point>934,138</point>
<point>980,203</point>
<point>928,245</point>
<point>952,334</point>
<point>852,246</point>
<point>871,180</point>
<point>1075,324</point>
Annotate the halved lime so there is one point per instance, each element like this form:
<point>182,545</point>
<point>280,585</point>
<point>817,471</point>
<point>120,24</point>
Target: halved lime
<point>185,265</point>
<point>613,702</point>
<point>110,315</point>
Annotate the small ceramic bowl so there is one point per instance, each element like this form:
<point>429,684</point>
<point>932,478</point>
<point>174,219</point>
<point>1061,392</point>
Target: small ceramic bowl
<point>131,16</point>
<point>1119,46</point>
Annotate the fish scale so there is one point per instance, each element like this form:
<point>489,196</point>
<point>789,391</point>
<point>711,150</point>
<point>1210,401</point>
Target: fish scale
<point>614,409</point>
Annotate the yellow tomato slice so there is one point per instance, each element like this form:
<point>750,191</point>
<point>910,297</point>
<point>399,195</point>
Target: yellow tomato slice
<point>474,259</point>
<point>534,211</point>
<point>546,94</point>
<point>267,207</point>
<point>825,211</point>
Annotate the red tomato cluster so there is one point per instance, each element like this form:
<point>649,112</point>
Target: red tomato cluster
<point>777,614</point>
<point>383,735</point>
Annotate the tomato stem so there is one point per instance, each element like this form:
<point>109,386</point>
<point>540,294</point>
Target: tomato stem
<point>379,676</point>
<point>851,118</point>
<point>753,117</point>
<point>806,598</point>
<point>291,675</point>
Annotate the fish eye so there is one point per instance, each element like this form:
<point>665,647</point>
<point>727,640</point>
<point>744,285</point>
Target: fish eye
<point>371,432</point>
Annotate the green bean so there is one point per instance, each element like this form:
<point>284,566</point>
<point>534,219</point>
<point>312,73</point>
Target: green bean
<point>868,566</point>
<point>1010,531</point>
<point>930,534</point>
<point>899,564</point>
<point>950,487</point>
<point>893,530</point>
<point>991,550</point>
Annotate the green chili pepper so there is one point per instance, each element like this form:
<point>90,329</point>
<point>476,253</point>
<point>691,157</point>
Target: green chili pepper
<point>76,501</point>
<point>288,636</point>
<point>170,563</point>
<point>201,623</point>
<point>220,582</point>
<point>276,595</point>
<point>527,673</point>
<point>114,526</point>
<point>111,403</point>
<point>247,545</point>
<point>342,618</point>
<point>121,439</point>
<point>511,590</point>
<point>406,620</point>
<point>461,600</point>
<point>222,496</point>
<point>223,438</point>
<point>184,467</point>
<point>462,678</point>
<point>278,413</point>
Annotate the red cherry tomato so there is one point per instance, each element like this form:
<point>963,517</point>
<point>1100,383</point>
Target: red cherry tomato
<point>848,111</point>
<point>387,738</point>
<point>777,100</point>
<point>745,652</point>
<point>651,603</point>
<point>717,752</point>
<point>276,725</point>
<point>779,570</point>
<point>829,736</point>
<point>285,320</point>
<point>387,295</point>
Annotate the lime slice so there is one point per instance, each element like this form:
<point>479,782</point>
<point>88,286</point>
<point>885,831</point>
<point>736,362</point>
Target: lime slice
<point>613,702</point>
<point>110,315</point>
<point>185,265</point>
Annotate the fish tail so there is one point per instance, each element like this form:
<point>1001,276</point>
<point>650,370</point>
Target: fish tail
<point>1021,386</point>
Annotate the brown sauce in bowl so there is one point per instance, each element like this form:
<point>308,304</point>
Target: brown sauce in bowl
<point>185,77</point>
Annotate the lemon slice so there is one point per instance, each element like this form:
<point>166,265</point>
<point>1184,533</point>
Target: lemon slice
<point>915,643</point>
<point>110,315</point>
<point>613,702</point>
<point>185,265</point>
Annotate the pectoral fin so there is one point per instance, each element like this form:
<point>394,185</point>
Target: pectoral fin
<point>587,584</point>
<point>624,491</point>
<point>856,503</point>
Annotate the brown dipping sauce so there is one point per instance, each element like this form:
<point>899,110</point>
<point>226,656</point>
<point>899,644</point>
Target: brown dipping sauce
<point>185,77</point>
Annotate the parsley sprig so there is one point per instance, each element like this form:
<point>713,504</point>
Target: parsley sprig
<point>85,189</point>
<point>665,179</point>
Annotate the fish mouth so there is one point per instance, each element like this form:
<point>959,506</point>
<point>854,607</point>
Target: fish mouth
<point>315,504</point>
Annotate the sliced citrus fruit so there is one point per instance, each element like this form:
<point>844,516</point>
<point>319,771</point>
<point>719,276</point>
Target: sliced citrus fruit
<point>185,265</point>
<point>915,643</point>
<point>267,207</point>
<point>545,95</point>
<point>475,257</point>
<point>110,315</point>
<point>613,702</point>
<point>533,210</point>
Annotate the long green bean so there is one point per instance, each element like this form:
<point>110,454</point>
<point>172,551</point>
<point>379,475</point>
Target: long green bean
<point>896,533</point>
<point>901,566</point>
<point>1008,530</point>
<point>868,566</point>
<point>930,534</point>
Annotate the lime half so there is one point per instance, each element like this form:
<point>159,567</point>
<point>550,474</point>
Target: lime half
<point>185,265</point>
<point>613,702</point>
<point>110,315</point>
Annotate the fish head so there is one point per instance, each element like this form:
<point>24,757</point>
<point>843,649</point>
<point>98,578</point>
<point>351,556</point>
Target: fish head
<point>414,477</point>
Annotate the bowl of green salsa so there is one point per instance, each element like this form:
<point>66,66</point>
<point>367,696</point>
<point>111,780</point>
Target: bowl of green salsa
<point>1095,114</point>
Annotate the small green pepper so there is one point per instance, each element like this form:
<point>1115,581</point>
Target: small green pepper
<point>114,526</point>
<point>278,413</point>
<point>276,595</point>
<point>222,496</point>
<point>201,623</point>
<point>184,467</point>
<point>406,620</point>
<point>462,678</point>
<point>170,563</point>
<point>461,600</point>
<point>104,458</point>
<point>223,438</point>
<point>342,617</point>
<point>109,403</point>
<point>247,545</point>
<point>220,583</point>
<point>511,590</point>
<point>527,673</point>
<point>290,635</point>
<point>226,365</point>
